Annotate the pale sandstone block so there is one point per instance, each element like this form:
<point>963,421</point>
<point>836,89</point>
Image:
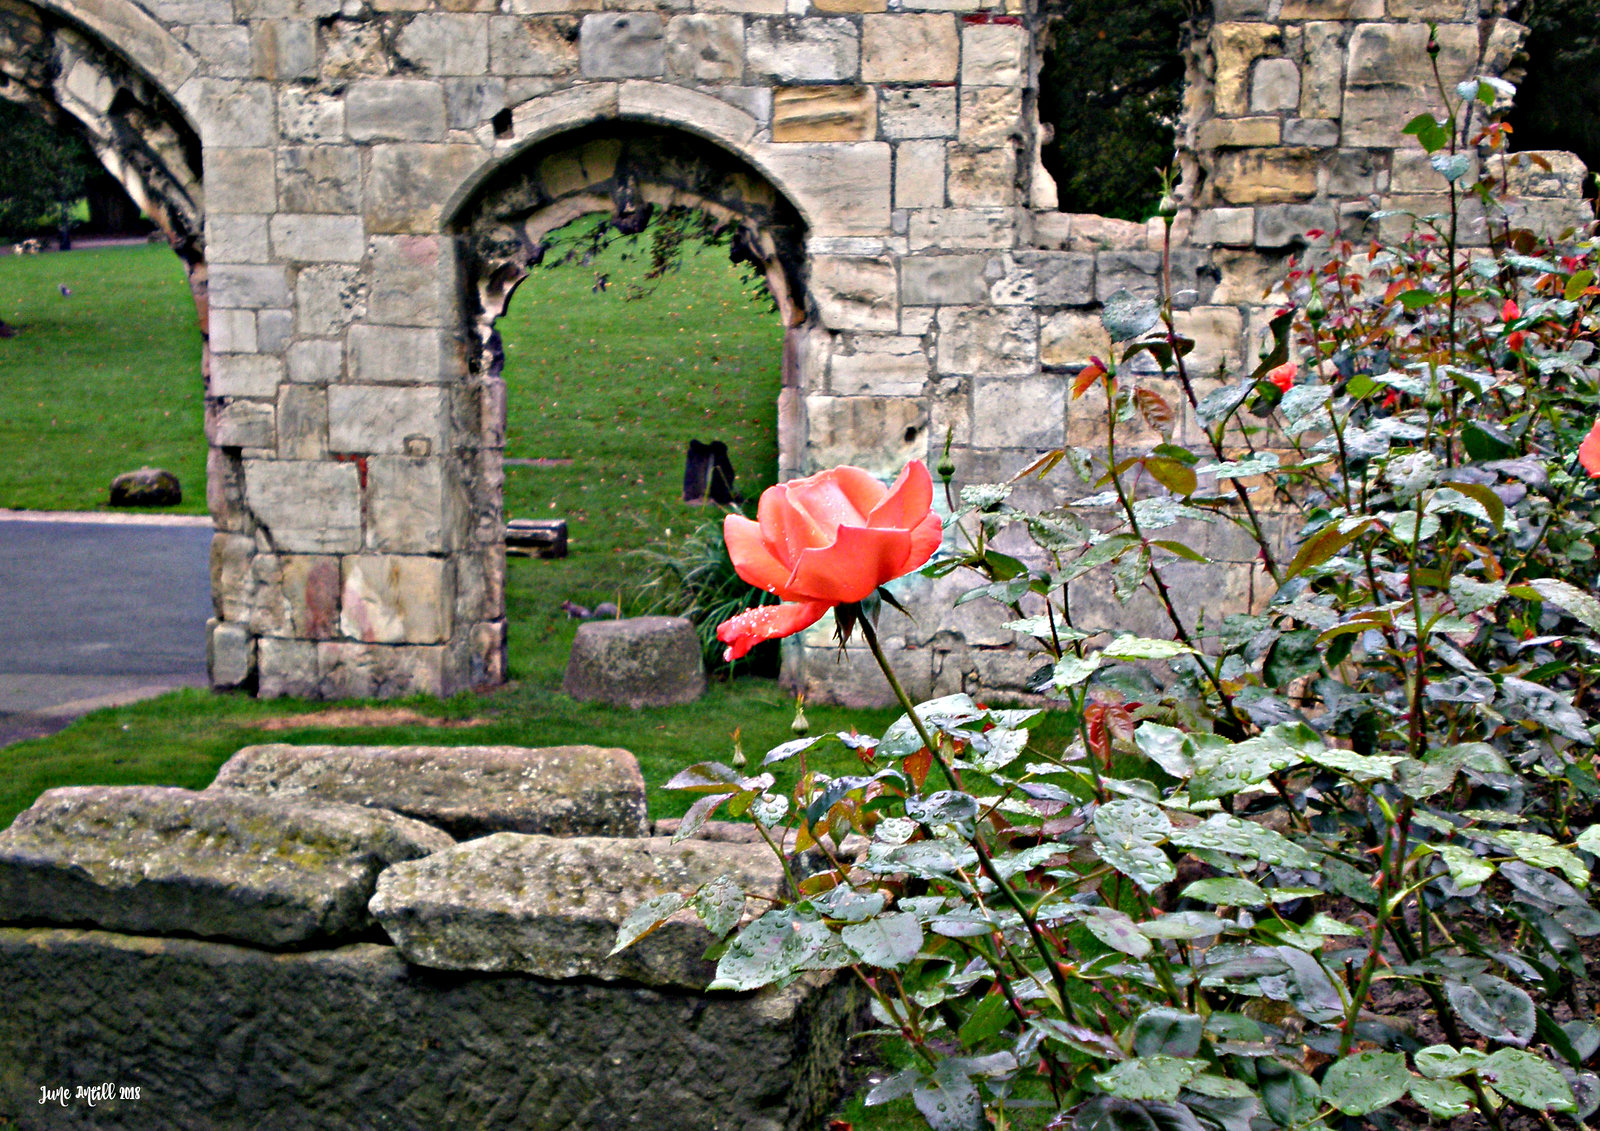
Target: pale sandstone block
<point>851,199</point>
<point>224,47</point>
<point>316,361</point>
<point>302,422</point>
<point>878,434</point>
<point>1218,335</point>
<point>412,280</point>
<point>240,180</point>
<point>231,582</point>
<point>1253,176</point>
<point>618,45</point>
<point>237,238</point>
<point>919,174</point>
<point>327,298</point>
<point>230,114</point>
<point>879,374</point>
<point>987,340</point>
<point>670,103</point>
<point>917,112</point>
<point>705,48</point>
<point>1332,10</point>
<point>940,280</point>
<point>980,178</point>
<point>1239,133</point>
<point>295,596</point>
<point>304,506</point>
<point>396,599</point>
<point>1019,412</point>
<point>855,294</point>
<point>991,55</point>
<point>958,228</point>
<point>314,237</point>
<point>414,506</point>
<point>1322,77</point>
<point>231,331</point>
<point>244,424</point>
<point>1275,85</point>
<point>1070,338</point>
<point>1317,133</point>
<point>1235,47</point>
<point>248,287</point>
<point>824,113</point>
<point>813,50</point>
<point>1234,227</point>
<point>990,116</point>
<point>401,193</point>
<point>245,375</point>
<point>446,43</point>
<point>384,419</point>
<point>319,178</point>
<point>395,110</point>
<point>310,116</point>
<point>909,48</point>
<point>284,50</point>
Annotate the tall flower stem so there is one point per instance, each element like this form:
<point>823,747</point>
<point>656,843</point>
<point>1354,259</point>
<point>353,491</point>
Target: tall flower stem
<point>986,862</point>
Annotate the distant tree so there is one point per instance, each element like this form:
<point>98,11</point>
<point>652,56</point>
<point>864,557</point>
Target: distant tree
<point>1111,86</point>
<point>1558,102</point>
<point>42,173</point>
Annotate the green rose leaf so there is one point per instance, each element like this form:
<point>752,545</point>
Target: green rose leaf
<point>1129,833</point>
<point>1441,1062</point>
<point>720,904</point>
<point>1529,1080</point>
<point>1117,931</point>
<point>948,1100</point>
<point>1226,891</point>
<point>1494,1007</point>
<point>1168,1032</point>
<point>1149,1077</point>
<point>1238,837</point>
<point>1366,1081</point>
<point>1442,1099</point>
<point>647,917</point>
<point>1144,648</point>
<point>888,941</point>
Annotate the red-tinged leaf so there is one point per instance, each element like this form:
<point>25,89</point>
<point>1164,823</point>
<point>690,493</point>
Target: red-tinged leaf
<point>1086,379</point>
<point>1394,289</point>
<point>1172,475</point>
<point>1119,722</point>
<point>1321,546</point>
<point>699,813</point>
<point>1157,413</point>
<point>917,766</point>
<point>819,883</point>
<point>1042,466</point>
<point>1491,502</point>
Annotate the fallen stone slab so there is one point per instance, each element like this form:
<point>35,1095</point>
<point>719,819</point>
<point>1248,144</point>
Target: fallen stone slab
<point>636,662</point>
<point>224,864</point>
<point>468,791</point>
<point>551,906</point>
<point>817,858</point>
<point>229,1038</point>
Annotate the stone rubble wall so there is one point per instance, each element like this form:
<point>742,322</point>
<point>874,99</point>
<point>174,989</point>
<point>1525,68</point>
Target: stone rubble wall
<point>376,174</point>
<point>280,969</point>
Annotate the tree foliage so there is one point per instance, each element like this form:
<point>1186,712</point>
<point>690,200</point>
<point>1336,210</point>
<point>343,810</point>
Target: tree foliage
<point>1111,88</point>
<point>42,171</point>
<point>1556,102</point>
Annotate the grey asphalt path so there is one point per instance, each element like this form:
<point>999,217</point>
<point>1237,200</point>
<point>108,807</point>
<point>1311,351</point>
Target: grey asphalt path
<point>96,611</point>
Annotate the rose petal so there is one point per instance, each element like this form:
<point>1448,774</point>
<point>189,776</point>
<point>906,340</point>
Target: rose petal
<point>840,496</point>
<point>907,502</point>
<point>858,562</point>
<point>786,529</point>
<point>925,540</point>
<point>769,622</point>
<point>752,560</point>
<point>1589,451</point>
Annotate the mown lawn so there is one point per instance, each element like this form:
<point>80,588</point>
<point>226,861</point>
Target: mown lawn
<point>101,381</point>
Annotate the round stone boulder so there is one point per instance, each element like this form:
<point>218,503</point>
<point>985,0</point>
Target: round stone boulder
<point>146,487</point>
<point>636,662</point>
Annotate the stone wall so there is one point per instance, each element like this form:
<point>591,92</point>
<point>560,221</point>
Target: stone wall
<point>377,174</point>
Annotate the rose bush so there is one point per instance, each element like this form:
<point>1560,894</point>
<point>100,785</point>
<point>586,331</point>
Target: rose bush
<point>1326,862</point>
<point>827,540</point>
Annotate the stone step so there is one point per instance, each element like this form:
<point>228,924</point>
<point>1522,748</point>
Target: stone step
<point>551,906</point>
<point>145,859</point>
<point>468,791</point>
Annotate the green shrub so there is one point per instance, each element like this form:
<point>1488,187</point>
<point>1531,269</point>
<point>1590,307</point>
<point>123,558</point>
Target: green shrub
<point>1326,860</point>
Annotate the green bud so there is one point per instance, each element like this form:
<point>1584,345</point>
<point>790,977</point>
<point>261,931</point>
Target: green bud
<point>1316,311</point>
<point>800,726</point>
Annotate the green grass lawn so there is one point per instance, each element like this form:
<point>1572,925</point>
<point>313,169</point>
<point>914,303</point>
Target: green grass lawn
<point>100,382</point>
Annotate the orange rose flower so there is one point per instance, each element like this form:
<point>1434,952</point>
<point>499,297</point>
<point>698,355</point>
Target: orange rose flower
<point>1589,452</point>
<point>829,539</point>
<point>1283,376</point>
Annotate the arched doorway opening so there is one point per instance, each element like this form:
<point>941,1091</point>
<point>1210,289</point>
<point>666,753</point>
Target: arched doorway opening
<point>628,175</point>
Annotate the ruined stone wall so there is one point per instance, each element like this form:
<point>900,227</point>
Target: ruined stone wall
<point>377,174</point>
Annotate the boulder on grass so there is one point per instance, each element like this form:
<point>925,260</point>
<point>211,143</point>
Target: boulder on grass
<point>468,791</point>
<point>222,864</point>
<point>636,662</point>
<point>146,487</point>
<point>551,906</point>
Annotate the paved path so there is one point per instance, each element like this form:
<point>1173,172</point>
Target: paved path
<point>97,610</point>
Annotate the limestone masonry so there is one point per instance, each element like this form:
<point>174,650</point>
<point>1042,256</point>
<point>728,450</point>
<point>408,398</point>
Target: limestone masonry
<point>357,186</point>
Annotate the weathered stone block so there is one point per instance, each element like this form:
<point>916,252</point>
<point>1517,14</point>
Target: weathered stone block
<point>1235,47</point>
<point>295,595</point>
<point>1239,133</point>
<point>414,505</point>
<point>551,906</point>
<point>855,294</point>
<point>379,1035</point>
<point>400,354</point>
<point>445,43</point>
<point>989,116</point>
<point>909,48</point>
<point>636,662</point>
<point>919,174</point>
<point>705,48</point>
<point>396,599</point>
<point>248,287</point>
<point>218,864</point>
<point>401,193</point>
<point>395,110</point>
<point>1232,227</point>
<point>992,55</point>
<point>1275,85</point>
<point>244,424</point>
<point>879,374</point>
<point>621,45</point>
<point>980,178</point>
<point>824,113</point>
<point>245,375</point>
<point>310,116</point>
<point>239,180</point>
<point>315,362</point>
<point>230,113</point>
<point>1019,412</point>
<point>309,507</point>
<point>811,50</point>
<point>317,238</point>
<point>1317,133</point>
<point>320,178</point>
<point>918,111</point>
<point>237,239</point>
<point>1331,10</point>
<point>989,341</point>
<point>230,654</point>
<point>231,555</point>
<point>879,434</point>
<point>468,791</point>
<point>1322,73</point>
<point>1058,278</point>
<point>283,50</point>
<point>1255,176</point>
<point>411,280</point>
<point>937,280</point>
<point>956,228</point>
<point>1070,338</point>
